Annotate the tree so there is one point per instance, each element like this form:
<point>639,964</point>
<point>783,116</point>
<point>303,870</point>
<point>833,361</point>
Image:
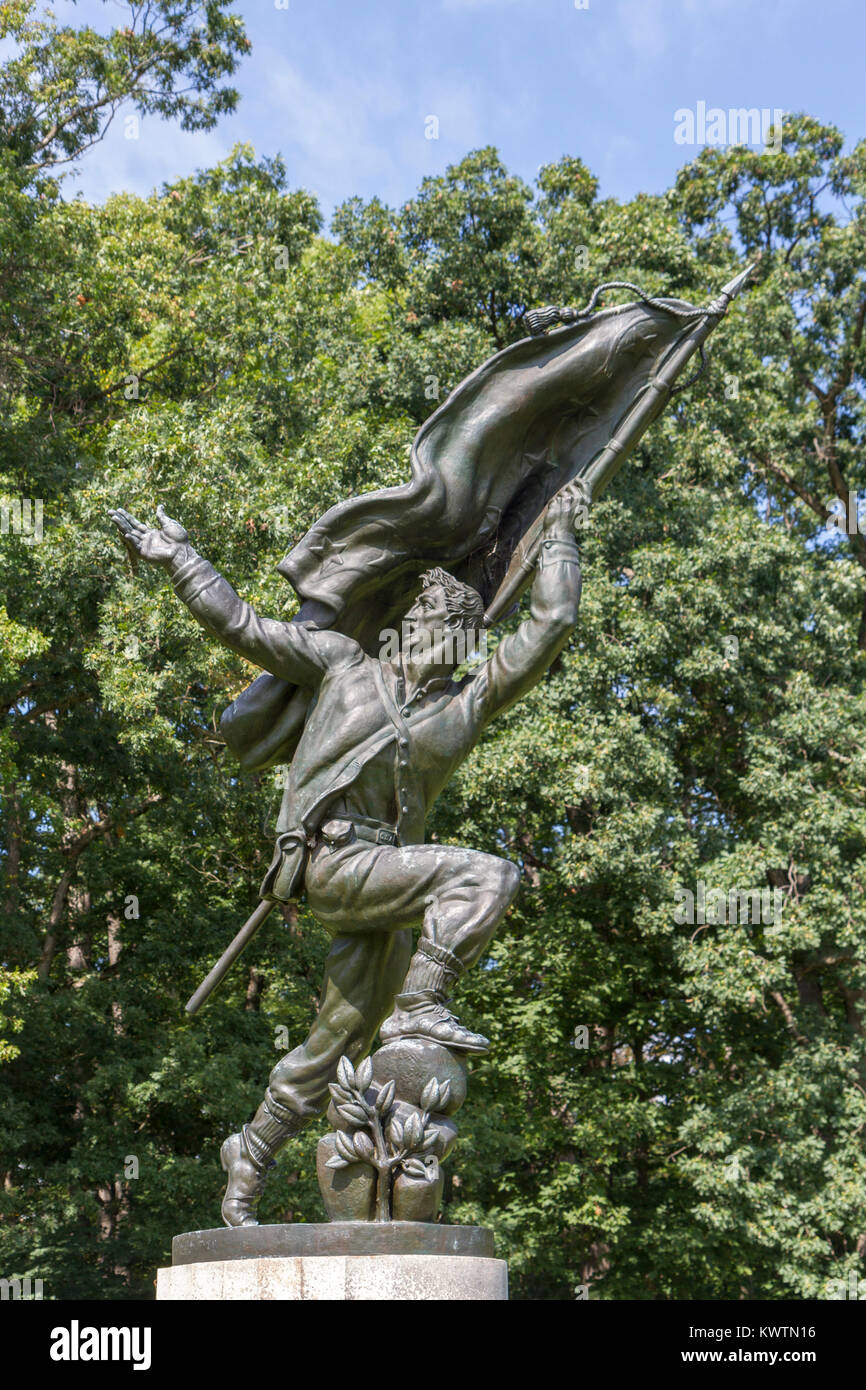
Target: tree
<point>802,216</point>
<point>671,1109</point>
<point>62,87</point>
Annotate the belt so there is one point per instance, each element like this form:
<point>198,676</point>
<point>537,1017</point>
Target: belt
<point>383,835</point>
<point>338,831</point>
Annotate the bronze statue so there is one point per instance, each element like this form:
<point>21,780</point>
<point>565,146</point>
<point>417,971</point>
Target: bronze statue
<point>501,472</point>
<point>379,744</point>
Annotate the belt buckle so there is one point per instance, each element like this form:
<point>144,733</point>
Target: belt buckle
<point>386,837</point>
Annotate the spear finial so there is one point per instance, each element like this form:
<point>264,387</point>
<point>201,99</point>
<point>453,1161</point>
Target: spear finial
<point>730,291</point>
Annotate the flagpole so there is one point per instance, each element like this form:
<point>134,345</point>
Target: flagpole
<point>646,408</point>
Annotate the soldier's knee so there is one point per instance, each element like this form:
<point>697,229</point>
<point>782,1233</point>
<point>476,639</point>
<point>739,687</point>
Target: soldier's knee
<point>512,878</point>
<point>503,877</point>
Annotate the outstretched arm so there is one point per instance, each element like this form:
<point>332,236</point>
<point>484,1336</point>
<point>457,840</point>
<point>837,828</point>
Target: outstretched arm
<point>522,657</point>
<point>298,652</point>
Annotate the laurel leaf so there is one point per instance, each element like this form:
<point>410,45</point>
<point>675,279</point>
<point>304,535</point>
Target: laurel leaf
<point>430,1095</point>
<point>385,1098</point>
<point>363,1145</point>
<point>336,1162</point>
<point>345,1146</point>
<point>413,1131</point>
<point>346,1073</point>
<point>395,1133</point>
<point>364,1074</point>
<point>443,1095</point>
<point>352,1114</point>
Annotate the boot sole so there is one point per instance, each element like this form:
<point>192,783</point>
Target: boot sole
<point>457,1046</point>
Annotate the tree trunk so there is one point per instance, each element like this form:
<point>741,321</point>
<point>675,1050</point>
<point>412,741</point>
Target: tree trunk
<point>383,1193</point>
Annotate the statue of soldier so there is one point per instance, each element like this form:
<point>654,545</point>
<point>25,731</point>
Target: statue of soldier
<point>374,738</point>
<point>381,739</point>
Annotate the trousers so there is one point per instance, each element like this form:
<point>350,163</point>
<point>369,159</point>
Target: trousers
<point>369,898</point>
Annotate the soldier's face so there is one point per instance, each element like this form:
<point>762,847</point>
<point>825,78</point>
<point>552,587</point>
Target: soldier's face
<point>429,609</point>
<point>430,628</point>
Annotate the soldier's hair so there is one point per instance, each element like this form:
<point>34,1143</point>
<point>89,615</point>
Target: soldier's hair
<point>461,600</point>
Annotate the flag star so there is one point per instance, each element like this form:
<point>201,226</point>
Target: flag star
<point>532,463</point>
<point>327,551</point>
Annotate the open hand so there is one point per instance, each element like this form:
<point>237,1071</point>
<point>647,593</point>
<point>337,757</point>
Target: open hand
<point>162,545</point>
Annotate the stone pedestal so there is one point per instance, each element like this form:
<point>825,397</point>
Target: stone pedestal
<point>334,1262</point>
<point>336,1277</point>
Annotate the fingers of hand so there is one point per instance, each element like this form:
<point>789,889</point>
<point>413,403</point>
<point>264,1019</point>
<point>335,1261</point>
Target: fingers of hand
<point>130,537</point>
<point>125,521</point>
<point>172,528</point>
<point>563,501</point>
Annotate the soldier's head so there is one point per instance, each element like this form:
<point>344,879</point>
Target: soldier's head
<point>444,622</point>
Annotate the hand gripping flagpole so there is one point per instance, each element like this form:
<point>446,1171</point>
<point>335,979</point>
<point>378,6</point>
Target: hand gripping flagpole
<point>646,407</point>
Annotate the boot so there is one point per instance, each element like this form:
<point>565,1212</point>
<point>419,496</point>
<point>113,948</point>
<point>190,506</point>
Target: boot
<point>419,1012</point>
<point>247,1156</point>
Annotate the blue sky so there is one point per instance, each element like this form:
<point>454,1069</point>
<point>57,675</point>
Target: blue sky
<point>344,89</point>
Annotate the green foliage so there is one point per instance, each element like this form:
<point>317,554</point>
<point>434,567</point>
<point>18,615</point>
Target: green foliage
<point>60,88</point>
<point>207,348</point>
